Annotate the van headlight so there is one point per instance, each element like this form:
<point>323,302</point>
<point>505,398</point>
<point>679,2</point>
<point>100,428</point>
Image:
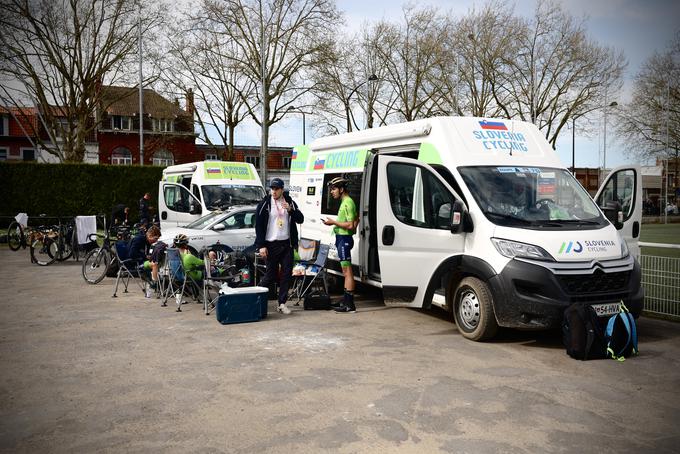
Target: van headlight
<point>512,249</point>
<point>624,247</point>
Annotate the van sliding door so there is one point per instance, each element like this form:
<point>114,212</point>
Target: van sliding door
<point>413,211</point>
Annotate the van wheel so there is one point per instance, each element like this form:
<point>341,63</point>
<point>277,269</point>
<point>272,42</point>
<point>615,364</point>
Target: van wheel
<point>473,310</point>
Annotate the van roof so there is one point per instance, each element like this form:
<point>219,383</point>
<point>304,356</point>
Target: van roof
<point>217,171</point>
<point>452,141</point>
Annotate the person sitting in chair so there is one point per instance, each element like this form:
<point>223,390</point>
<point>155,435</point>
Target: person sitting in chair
<point>193,266</point>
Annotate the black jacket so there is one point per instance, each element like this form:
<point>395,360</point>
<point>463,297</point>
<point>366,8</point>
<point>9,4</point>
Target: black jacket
<point>262,220</point>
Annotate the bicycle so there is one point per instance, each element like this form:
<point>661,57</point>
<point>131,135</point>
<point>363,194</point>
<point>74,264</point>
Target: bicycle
<point>100,260</point>
<point>16,239</point>
<point>43,240</point>
<point>18,235</point>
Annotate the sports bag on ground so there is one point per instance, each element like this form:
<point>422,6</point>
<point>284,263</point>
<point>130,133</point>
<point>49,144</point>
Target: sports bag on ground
<point>317,301</point>
<point>621,335</point>
<point>583,333</point>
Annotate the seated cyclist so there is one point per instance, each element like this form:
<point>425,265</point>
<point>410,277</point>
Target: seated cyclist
<point>193,266</point>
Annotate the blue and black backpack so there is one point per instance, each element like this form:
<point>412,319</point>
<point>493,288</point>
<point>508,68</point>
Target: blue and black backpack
<point>587,336</point>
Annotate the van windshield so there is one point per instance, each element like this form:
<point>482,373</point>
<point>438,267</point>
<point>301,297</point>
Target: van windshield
<point>532,197</point>
<point>223,196</point>
<point>203,222</point>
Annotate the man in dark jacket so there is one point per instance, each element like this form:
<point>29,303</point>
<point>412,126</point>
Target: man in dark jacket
<point>144,218</point>
<point>276,236</point>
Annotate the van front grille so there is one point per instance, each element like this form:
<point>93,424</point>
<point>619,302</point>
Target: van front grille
<point>598,282</point>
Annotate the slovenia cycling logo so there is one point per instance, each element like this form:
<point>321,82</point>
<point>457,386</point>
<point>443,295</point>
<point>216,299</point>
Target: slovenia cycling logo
<point>571,246</point>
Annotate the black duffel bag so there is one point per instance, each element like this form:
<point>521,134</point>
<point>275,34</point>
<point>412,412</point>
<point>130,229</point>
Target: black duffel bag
<point>317,300</point>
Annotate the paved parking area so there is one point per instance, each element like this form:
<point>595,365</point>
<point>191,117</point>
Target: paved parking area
<point>82,372</point>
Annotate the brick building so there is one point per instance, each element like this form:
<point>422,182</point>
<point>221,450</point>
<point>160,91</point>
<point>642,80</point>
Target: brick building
<point>18,134</point>
<point>169,136</point>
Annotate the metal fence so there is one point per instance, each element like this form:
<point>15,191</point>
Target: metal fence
<point>661,281</point>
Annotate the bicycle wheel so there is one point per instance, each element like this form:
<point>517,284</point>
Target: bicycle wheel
<point>95,264</point>
<point>40,251</point>
<point>60,249</point>
<point>14,235</point>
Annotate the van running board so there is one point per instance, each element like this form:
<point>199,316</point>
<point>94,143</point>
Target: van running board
<point>439,300</point>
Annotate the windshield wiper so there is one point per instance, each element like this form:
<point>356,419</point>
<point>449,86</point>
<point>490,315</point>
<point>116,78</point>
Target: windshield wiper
<point>509,217</point>
<point>576,221</point>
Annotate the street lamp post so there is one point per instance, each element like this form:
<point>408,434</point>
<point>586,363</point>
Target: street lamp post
<point>573,133</point>
<point>371,78</point>
<point>304,129</point>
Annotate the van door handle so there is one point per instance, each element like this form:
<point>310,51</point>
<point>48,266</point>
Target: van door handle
<point>636,229</point>
<point>388,235</point>
<point>164,215</point>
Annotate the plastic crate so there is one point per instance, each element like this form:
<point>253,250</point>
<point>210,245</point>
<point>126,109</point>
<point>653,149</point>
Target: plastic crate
<point>240,305</point>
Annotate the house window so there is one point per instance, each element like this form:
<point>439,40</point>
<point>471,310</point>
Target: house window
<point>3,154</point>
<point>285,161</point>
<point>62,128</point>
<point>4,125</point>
<point>28,154</point>
<point>162,125</point>
<point>121,122</point>
<point>211,157</point>
<point>163,158</point>
<point>121,156</point>
<point>254,160</point>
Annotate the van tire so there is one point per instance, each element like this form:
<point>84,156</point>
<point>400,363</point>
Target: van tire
<point>473,310</point>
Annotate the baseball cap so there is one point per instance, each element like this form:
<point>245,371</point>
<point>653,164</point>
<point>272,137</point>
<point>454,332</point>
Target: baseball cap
<point>276,183</point>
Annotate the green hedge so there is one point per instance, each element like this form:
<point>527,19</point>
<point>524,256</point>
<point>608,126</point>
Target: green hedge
<point>74,189</point>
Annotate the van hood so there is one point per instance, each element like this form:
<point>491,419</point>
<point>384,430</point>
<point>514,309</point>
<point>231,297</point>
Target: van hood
<point>569,245</point>
<point>169,235</point>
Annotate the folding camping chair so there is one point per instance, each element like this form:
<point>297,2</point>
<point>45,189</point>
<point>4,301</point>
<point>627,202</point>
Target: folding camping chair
<point>127,267</point>
<point>223,269</point>
<point>178,283</point>
<point>312,276</point>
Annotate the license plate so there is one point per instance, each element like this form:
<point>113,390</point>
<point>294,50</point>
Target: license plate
<point>606,310</point>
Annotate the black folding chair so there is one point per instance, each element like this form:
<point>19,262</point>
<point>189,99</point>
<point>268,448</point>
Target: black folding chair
<point>178,284</point>
<point>127,267</point>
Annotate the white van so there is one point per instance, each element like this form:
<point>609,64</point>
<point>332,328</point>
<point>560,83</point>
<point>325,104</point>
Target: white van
<point>477,216</point>
<point>188,191</point>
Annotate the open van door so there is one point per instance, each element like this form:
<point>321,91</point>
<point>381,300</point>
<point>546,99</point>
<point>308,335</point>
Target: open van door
<point>176,205</point>
<point>622,191</point>
<point>414,212</point>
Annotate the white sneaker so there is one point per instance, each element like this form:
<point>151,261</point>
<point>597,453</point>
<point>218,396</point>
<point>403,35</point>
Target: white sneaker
<point>283,309</point>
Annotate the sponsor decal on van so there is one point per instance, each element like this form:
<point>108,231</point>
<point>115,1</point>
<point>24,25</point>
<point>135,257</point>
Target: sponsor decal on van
<point>494,135</point>
<point>576,247</point>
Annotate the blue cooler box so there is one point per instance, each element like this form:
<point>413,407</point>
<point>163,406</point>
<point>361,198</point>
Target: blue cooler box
<point>244,304</point>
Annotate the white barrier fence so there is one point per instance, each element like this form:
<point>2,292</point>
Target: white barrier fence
<point>661,281</point>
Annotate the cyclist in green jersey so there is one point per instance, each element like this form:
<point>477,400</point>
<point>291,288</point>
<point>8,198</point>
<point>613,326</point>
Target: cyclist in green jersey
<point>344,227</point>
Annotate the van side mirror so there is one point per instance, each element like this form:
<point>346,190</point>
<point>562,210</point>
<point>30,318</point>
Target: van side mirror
<point>195,209</point>
<point>460,219</point>
<point>612,211</point>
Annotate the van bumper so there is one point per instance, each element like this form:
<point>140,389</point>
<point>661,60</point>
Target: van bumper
<point>531,295</point>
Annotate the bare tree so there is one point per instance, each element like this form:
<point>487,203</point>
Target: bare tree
<point>203,59</point>
<point>556,73</point>
<point>411,53</point>
<point>650,124</point>
<point>278,40</point>
<point>60,52</point>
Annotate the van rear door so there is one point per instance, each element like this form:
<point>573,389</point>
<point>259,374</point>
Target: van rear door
<point>413,214</point>
<point>623,186</point>
<point>177,206</point>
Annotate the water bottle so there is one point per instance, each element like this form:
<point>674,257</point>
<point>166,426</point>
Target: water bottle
<point>148,291</point>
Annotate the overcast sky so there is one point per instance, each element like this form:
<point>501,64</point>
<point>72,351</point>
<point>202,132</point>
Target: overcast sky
<point>637,27</point>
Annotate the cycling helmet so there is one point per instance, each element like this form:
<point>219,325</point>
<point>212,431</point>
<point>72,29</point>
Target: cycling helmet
<point>338,182</point>
<point>181,240</point>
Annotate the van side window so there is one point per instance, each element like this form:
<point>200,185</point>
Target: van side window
<point>418,198</point>
<point>177,198</point>
<point>328,204</point>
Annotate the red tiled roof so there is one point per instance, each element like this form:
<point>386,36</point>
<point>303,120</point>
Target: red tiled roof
<point>125,101</point>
